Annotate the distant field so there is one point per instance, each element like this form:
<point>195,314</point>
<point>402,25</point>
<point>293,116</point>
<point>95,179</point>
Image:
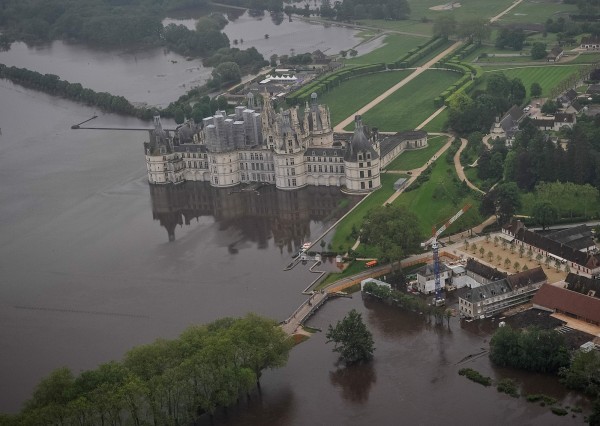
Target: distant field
<point>409,160</point>
<point>537,12</point>
<point>396,45</point>
<point>413,26</point>
<point>431,211</point>
<point>412,104</point>
<point>468,9</point>
<point>355,93</point>
<point>547,76</point>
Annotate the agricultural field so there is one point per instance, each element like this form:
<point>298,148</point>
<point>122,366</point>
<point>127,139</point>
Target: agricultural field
<point>440,198</point>
<point>410,105</point>
<point>409,160</point>
<point>353,94</point>
<point>395,46</point>
<point>537,12</point>
<point>547,76</point>
<point>342,240</point>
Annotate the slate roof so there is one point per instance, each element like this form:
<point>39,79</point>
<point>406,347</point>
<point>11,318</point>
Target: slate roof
<point>557,298</point>
<point>521,233</point>
<point>390,142</point>
<point>578,237</point>
<point>590,40</point>
<point>556,50</point>
<point>525,278</point>
<point>483,270</point>
<point>486,291</point>
<point>593,89</point>
<point>564,117</point>
<point>325,152</point>
<point>359,143</point>
<point>427,270</point>
<point>584,285</point>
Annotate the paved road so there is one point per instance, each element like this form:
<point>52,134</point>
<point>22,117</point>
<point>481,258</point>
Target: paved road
<point>418,71</point>
<point>505,11</point>
<point>460,169</point>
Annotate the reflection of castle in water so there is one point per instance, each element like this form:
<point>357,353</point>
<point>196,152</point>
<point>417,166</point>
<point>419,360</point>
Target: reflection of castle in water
<point>258,215</point>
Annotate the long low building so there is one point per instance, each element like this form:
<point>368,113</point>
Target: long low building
<point>558,299</point>
<point>497,296</point>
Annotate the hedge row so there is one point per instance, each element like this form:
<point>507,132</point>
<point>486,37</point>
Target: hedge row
<point>413,55</point>
<point>328,81</point>
<point>471,76</point>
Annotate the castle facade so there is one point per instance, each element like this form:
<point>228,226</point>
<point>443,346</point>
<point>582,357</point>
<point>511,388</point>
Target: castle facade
<point>287,149</point>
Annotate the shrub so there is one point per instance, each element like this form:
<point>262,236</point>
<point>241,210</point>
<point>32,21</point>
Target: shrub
<point>559,411</point>
<point>475,376</point>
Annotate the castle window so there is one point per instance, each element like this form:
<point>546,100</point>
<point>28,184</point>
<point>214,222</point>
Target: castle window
<point>360,164</point>
<point>262,166</point>
<point>320,168</point>
<point>362,174</point>
<point>252,156</point>
<point>369,164</point>
<point>360,157</point>
<point>293,172</point>
<point>293,182</point>
<point>362,185</point>
<point>195,165</point>
<point>341,169</point>
<point>368,155</point>
<point>261,156</point>
<point>330,160</point>
<point>291,161</point>
<point>335,153</point>
<point>252,164</point>
<point>370,184</point>
<point>287,162</point>
<point>330,169</point>
<point>309,168</point>
<point>368,173</point>
<point>313,153</point>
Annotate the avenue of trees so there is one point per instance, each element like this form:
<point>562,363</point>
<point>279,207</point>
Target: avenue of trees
<point>352,339</point>
<point>532,349</point>
<point>168,382</point>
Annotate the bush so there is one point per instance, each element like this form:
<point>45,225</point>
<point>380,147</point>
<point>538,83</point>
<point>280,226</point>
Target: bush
<point>545,399</point>
<point>559,411</point>
<point>508,386</point>
<point>475,376</point>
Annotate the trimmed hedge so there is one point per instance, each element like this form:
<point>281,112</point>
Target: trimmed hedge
<point>413,55</point>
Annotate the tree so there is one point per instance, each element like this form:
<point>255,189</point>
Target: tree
<point>444,26</point>
<point>227,72</point>
<point>490,256</point>
<point>539,258</point>
<point>498,259</point>
<point>545,213</point>
<point>496,239</point>
<point>473,247</point>
<point>474,30</point>
<point>394,230</point>
<point>481,252</point>
<point>507,263</point>
<point>535,90</point>
<point>351,338</point>
<point>517,266</point>
<point>521,251</point>
<point>538,50</point>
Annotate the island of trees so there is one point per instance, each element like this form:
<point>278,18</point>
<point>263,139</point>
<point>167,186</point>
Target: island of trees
<point>168,382</point>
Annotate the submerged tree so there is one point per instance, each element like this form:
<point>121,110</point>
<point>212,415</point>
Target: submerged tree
<point>353,341</point>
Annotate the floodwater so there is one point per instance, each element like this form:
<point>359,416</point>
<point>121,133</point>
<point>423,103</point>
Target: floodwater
<point>94,261</point>
<point>152,76</point>
<point>284,37</point>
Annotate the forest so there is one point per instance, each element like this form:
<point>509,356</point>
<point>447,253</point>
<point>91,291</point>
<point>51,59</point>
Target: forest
<point>167,382</point>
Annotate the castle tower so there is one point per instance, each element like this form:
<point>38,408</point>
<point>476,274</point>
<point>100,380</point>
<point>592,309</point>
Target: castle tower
<point>361,161</point>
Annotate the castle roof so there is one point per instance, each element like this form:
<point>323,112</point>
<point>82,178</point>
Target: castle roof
<point>359,143</point>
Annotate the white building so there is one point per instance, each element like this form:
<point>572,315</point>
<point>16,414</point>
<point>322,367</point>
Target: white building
<point>285,148</point>
<point>426,278</point>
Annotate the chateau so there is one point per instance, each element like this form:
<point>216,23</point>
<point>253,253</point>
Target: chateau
<point>287,149</point>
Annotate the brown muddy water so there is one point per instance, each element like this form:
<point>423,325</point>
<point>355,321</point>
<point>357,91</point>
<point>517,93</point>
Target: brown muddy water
<point>87,271</point>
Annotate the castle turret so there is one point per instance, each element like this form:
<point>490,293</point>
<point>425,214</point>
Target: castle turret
<point>361,161</point>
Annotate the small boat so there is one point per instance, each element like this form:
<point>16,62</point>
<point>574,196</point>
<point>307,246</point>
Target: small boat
<point>306,246</point>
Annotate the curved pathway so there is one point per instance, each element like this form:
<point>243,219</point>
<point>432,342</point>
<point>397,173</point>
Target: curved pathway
<point>460,169</point>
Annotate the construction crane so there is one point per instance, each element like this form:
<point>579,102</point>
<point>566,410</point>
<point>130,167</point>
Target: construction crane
<point>439,301</point>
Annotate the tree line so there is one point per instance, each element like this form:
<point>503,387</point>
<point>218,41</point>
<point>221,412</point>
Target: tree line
<point>168,382</point>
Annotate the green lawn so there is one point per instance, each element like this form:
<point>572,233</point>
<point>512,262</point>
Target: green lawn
<point>353,94</point>
<point>547,76</point>
<point>394,47</point>
<point>468,9</point>
<point>409,160</point>
<point>444,186</point>
<point>437,124</point>
<point>585,58</point>
<point>342,240</point>
<point>413,26</point>
<point>410,105</point>
<point>538,11</point>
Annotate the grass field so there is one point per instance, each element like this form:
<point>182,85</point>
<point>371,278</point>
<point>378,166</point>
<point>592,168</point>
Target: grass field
<point>585,58</point>
<point>437,124</point>
<point>547,76</point>
<point>468,9</point>
<point>395,46</point>
<point>409,160</point>
<point>537,12</point>
<point>355,93</point>
<point>413,26</point>
<point>444,185</point>
<point>412,104</point>
<point>342,240</point>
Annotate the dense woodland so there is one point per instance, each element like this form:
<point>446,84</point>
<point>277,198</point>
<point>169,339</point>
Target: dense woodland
<point>168,382</point>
